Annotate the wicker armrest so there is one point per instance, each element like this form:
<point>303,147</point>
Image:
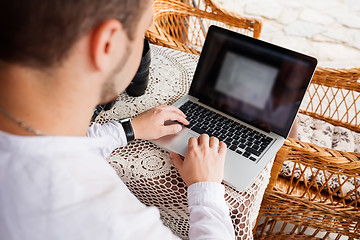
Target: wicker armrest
<point>292,217</point>
<point>321,193</point>
<point>318,173</point>
<point>334,96</point>
<point>188,24</point>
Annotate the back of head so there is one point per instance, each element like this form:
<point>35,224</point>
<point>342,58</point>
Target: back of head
<point>40,33</point>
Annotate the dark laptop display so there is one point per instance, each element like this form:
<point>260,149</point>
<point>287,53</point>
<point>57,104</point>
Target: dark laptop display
<point>253,81</point>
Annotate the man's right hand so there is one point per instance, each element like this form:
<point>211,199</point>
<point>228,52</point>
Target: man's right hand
<point>204,161</point>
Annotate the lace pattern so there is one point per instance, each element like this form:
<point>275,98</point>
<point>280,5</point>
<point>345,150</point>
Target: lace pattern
<point>147,169</point>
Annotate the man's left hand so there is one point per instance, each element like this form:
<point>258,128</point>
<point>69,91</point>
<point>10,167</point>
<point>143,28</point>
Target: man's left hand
<point>151,124</point>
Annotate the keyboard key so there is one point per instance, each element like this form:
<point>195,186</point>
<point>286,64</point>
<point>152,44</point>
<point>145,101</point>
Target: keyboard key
<point>252,159</point>
<point>223,131</point>
<point>232,135</point>
<point>239,151</point>
<point>198,130</point>
<point>222,136</point>
<point>246,154</point>
<point>253,151</point>
<point>257,142</point>
<point>233,147</point>
<point>238,133</point>
<point>256,147</point>
<point>206,128</point>
<point>231,138</point>
<point>202,126</point>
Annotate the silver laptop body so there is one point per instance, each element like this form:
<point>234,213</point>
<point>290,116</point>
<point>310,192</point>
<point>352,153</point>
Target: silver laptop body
<point>251,85</point>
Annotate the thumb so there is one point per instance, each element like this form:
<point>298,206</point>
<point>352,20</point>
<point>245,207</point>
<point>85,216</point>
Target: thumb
<point>177,161</point>
<point>172,129</point>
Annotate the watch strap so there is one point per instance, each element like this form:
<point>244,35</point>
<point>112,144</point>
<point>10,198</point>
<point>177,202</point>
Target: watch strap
<point>129,131</point>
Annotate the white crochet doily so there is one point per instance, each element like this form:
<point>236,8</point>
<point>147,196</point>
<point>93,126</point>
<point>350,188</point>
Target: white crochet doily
<point>147,169</point>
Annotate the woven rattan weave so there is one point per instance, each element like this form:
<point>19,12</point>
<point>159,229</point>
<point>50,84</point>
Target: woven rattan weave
<point>182,25</point>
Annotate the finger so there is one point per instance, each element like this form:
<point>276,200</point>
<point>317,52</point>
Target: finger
<point>177,161</point>
<point>183,121</point>
<point>214,143</point>
<point>171,129</point>
<point>192,142</point>
<point>222,149</point>
<point>176,117</point>
<point>204,140</point>
<point>174,109</point>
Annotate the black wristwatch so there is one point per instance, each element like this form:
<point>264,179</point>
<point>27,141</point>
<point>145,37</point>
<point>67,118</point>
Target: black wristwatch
<point>129,132</point>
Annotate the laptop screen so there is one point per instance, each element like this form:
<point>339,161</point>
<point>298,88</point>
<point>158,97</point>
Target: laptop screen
<point>251,80</point>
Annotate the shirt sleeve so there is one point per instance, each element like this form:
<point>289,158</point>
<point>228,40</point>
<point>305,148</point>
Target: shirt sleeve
<point>112,133</point>
<point>209,214</point>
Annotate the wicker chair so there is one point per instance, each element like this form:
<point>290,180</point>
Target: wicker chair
<point>291,206</point>
<point>182,25</point>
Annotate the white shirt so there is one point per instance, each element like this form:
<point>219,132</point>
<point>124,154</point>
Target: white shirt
<point>62,188</point>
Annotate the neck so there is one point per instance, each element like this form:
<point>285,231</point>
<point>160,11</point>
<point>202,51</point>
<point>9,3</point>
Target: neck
<point>45,101</point>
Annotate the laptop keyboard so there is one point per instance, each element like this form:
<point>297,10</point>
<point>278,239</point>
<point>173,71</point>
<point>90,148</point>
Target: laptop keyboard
<point>239,138</point>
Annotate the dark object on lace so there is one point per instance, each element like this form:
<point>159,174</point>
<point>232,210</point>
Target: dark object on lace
<point>101,107</point>
<point>140,82</point>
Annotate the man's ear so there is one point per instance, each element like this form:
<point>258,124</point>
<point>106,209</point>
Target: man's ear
<point>108,42</point>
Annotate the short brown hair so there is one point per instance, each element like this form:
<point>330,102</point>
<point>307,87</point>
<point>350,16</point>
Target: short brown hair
<point>40,33</point>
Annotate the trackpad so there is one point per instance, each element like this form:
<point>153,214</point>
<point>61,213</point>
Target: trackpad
<point>176,142</point>
<point>181,143</point>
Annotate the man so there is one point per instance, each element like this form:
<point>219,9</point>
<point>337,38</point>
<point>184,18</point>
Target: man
<point>58,60</point>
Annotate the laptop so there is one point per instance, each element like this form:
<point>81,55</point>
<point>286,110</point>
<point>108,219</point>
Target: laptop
<point>246,92</point>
